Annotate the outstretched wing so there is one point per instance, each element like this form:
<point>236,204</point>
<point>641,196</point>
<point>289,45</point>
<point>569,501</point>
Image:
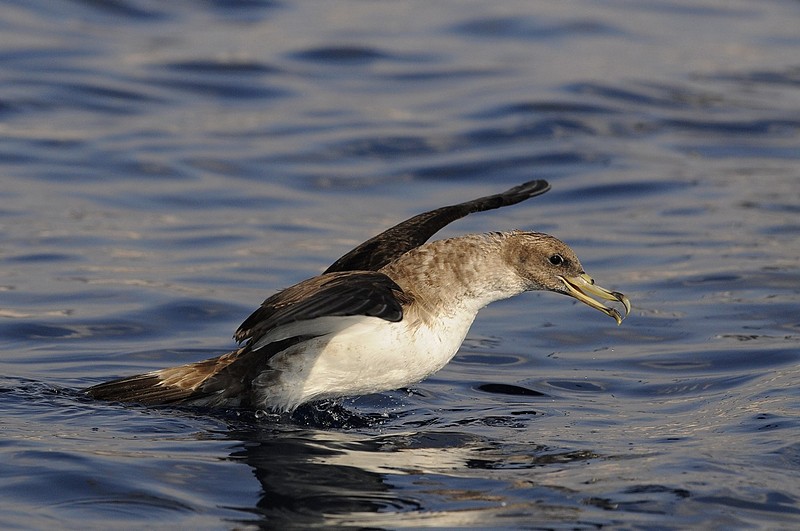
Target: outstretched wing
<point>396,241</point>
<point>339,294</point>
<point>352,285</point>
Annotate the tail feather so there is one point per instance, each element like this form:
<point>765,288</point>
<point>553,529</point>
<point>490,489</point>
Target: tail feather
<point>194,383</point>
<point>147,389</point>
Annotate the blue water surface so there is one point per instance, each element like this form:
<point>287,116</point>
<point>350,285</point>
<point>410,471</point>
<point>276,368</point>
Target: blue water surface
<point>166,166</point>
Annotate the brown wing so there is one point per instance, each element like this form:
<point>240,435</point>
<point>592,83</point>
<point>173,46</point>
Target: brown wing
<point>334,294</point>
<point>396,241</point>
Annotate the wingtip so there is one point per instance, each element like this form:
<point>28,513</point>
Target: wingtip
<point>521,192</point>
<point>531,188</point>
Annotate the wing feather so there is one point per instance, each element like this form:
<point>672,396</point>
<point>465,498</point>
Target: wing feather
<point>335,294</point>
<point>413,232</point>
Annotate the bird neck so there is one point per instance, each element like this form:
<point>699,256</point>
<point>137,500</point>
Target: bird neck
<point>457,274</point>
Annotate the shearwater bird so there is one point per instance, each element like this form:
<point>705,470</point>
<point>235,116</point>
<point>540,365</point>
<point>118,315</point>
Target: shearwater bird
<point>386,315</point>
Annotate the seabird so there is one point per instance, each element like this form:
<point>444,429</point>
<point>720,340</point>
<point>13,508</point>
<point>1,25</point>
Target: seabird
<point>386,315</point>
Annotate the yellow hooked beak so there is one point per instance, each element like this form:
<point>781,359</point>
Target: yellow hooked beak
<point>582,286</point>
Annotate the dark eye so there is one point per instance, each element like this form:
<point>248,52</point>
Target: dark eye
<point>556,260</point>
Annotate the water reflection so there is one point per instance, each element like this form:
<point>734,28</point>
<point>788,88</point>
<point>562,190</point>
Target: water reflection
<point>312,477</point>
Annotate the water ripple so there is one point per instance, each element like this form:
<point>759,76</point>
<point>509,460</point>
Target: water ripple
<point>167,166</point>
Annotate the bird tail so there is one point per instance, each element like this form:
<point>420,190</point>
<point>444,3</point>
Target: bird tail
<point>190,384</point>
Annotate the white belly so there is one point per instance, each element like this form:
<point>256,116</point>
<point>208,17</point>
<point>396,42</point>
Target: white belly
<point>367,355</point>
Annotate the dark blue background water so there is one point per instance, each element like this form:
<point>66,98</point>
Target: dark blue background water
<point>166,166</point>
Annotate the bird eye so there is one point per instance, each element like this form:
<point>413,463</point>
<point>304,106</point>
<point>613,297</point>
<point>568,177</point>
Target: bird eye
<point>556,260</point>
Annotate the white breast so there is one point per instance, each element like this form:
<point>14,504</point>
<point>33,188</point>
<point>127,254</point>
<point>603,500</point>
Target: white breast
<point>365,355</point>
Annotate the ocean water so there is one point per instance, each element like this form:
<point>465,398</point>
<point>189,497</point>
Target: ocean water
<point>164,167</point>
